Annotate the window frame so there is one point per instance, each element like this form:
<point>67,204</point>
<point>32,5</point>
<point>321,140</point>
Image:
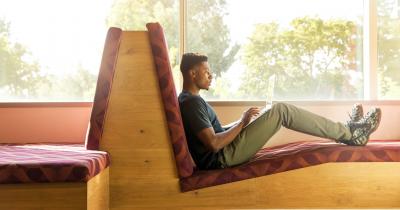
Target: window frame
<point>370,50</point>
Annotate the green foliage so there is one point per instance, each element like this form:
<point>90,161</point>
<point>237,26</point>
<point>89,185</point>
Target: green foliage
<point>134,14</point>
<point>19,74</point>
<point>78,85</point>
<point>311,59</point>
<point>388,48</point>
<point>207,33</point>
<point>206,30</point>
<point>21,78</point>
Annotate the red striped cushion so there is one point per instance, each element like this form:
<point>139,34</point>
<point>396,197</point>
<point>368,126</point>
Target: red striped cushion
<point>33,163</point>
<point>293,156</point>
<point>184,161</point>
<point>103,88</point>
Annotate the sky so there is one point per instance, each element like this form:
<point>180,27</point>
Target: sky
<point>244,14</point>
<point>60,34</point>
<point>63,34</point>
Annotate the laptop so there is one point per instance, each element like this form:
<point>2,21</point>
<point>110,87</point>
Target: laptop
<point>268,98</point>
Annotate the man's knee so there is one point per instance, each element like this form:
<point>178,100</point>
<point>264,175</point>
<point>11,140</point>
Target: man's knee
<point>280,106</point>
<point>282,110</point>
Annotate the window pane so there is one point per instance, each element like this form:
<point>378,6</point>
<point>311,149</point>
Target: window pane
<point>53,52</point>
<point>313,47</point>
<point>389,49</point>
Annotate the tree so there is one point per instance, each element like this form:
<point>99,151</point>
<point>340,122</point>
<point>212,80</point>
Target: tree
<point>134,14</point>
<point>79,86</point>
<point>311,59</point>
<point>20,75</point>
<point>207,33</point>
<point>388,47</point>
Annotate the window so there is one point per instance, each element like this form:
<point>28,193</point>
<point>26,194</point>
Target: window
<point>53,52</point>
<point>389,49</point>
<point>313,48</point>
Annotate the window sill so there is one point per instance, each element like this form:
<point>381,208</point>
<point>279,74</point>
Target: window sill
<point>306,103</point>
<point>212,103</point>
<point>44,104</point>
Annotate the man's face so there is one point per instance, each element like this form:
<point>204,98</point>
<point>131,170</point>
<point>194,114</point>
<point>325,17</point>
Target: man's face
<point>203,76</point>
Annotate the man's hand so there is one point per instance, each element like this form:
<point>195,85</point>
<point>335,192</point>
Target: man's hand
<point>216,141</point>
<point>250,113</point>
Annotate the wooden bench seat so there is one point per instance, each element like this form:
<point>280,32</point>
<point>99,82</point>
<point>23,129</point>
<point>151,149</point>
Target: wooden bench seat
<point>49,163</point>
<point>49,176</point>
<point>292,156</point>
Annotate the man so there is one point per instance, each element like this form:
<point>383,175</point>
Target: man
<point>213,146</point>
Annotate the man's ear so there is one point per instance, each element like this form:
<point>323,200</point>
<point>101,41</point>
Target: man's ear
<point>192,73</point>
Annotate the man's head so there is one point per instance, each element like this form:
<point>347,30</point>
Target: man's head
<point>195,70</point>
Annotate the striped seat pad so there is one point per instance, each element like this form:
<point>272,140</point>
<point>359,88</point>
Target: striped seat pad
<point>292,156</point>
<point>37,163</point>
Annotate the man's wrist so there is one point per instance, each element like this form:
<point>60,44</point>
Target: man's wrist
<point>241,124</point>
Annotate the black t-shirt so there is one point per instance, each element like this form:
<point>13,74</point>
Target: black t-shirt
<point>197,114</point>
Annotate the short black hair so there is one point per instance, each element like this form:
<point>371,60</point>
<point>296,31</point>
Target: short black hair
<point>189,60</point>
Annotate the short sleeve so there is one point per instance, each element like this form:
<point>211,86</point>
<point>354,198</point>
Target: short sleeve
<point>195,113</point>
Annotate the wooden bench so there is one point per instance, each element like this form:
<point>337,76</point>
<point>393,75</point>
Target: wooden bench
<point>63,176</point>
<point>152,168</point>
<point>53,176</point>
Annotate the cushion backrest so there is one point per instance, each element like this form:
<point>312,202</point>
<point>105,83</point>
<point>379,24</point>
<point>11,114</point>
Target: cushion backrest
<point>103,88</point>
<point>184,161</point>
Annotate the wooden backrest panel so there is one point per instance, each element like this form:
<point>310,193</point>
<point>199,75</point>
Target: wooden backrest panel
<point>135,131</point>
<point>142,171</point>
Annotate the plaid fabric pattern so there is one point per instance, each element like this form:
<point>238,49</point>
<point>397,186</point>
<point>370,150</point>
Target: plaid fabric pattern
<point>33,163</point>
<point>293,156</point>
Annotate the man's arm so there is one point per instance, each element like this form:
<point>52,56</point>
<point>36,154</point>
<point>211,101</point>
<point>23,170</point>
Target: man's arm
<point>214,142</point>
<point>230,124</point>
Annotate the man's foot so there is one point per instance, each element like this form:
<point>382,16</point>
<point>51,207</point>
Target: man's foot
<point>362,129</point>
<point>357,113</point>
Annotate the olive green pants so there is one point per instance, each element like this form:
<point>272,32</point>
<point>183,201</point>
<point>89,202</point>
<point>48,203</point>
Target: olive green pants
<point>253,137</point>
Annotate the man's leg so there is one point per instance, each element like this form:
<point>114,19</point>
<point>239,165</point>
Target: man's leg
<point>254,136</point>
